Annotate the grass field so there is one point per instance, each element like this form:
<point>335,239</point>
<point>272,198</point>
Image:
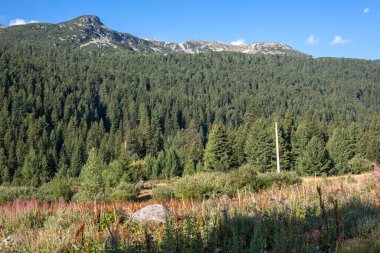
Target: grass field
<point>342,216</point>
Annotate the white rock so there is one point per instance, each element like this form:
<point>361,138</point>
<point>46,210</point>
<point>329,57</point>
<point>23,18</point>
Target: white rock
<point>152,213</point>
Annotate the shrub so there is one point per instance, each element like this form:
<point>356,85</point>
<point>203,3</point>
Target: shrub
<point>359,165</point>
<point>11,193</point>
<point>242,177</point>
<point>58,188</point>
<point>200,185</point>
<point>125,191</point>
<point>266,180</point>
<point>136,170</point>
<point>163,192</point>
<point>366,225</point>
<point>207,184</point>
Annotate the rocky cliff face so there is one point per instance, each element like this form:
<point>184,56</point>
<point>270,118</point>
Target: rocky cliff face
<point>89,31</point>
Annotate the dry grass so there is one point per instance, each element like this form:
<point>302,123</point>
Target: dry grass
<point>87,226</point>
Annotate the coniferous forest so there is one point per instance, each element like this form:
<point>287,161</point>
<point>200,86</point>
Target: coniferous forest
<point>91,137</point>
<point>105,115</point>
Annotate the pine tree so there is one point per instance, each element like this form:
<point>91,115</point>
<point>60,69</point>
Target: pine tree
<point>373,140</point>
<point>159,165</point>
<point>314,158</point>
<point>172,165</point>
<point>91,173</point>
<point>356,139</point>
<point>253,113</point>
<point>238,155</point>
<point>260,147</point>
<point>33,169</point>
<point>218,152</point>
<point>4,172</point>
<point>189,168</point>
<point>286,155</point>
<point>339,150</point>
<point>114,173</point>
<point>193,144</point>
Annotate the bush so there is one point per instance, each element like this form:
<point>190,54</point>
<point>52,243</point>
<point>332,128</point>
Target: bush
<point>11,193</point>
<point>136,170</point>
<point>242,177</point>
<point>58,188</point>
<point>200,185</point>
<point>163,192</point>
<point>207,184</point>
<point>125,191</point>
<point>359,165</point>
<point>266,180</point>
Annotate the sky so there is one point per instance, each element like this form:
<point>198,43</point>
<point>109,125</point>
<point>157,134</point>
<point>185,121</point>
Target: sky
<point>332,28</point>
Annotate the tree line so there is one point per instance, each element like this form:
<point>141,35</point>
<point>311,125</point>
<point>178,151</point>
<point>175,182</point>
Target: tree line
<point>160,116</point>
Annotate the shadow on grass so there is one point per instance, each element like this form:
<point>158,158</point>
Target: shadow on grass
<point>353,227</point>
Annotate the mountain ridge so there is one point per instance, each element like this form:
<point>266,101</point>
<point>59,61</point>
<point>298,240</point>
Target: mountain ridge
<point>89,31</point>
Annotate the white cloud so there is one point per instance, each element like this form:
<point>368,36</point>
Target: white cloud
<point>339,40</point>
<point>366,10</point>
<point>312,40</point>
<point>20,21</point>
<point>239,42</point>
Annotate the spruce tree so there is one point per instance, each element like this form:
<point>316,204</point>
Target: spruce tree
<point>260,147</point>
<point>159,165</point>
<point>218,152</point>
<point>339,150</point>
<point>314,158</point>
<point>4,172</point>
<point>91,174</point>
<point>172,165</point>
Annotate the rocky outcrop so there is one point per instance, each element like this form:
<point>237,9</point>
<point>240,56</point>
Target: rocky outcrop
<point>153,213</point>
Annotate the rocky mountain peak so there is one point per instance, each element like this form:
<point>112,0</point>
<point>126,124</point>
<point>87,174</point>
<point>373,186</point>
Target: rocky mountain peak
<point>88,20</point>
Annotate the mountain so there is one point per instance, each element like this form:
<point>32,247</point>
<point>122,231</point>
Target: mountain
<point>88,32</point>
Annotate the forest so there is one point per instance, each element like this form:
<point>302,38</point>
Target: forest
<point>107,117</point>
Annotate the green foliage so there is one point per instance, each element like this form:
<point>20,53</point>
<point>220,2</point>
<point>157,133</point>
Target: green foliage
<point>189,168</point>
<point>200,185</point>
<point>58,188</point>
<point>208,184</point>
<point>339,150</point>
<point>260,147</point>
<point>11,193</point>
<point>218,152</point>
<point>34,171</point>
<point>314,158</point>
<point>359,165</point>
<point>163,192</point>
<point>4,172</point>
<point>56,104</point>
<point>173,166</point>
<point>136,170</point>
<point>91,173</point>
<point>158,165</point>
<point>125,191</point>
<point>114,173</point>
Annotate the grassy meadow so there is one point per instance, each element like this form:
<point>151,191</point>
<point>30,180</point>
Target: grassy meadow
<point>337,214</point>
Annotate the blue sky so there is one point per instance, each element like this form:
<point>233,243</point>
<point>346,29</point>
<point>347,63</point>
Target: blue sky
<point>337,28</point>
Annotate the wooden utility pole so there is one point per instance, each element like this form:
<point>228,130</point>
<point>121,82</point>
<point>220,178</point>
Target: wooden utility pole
<point>277,150</point>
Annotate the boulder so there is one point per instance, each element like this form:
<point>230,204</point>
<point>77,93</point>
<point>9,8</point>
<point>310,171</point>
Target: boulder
<point>153,213</point>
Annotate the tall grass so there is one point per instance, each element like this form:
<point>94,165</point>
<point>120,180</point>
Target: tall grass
<point>341,217</point>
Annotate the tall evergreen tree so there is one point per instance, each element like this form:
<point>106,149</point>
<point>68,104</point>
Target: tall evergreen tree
<point>4,172</point>
<point>260,147</point>
<point>172,165</point>
<point>91,174</point>
<point>314,158</point>
<point>218,152</point>
<point>339,150</point>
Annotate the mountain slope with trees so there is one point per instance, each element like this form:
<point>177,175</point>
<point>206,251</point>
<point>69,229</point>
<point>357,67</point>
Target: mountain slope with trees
<point>159,116</point>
